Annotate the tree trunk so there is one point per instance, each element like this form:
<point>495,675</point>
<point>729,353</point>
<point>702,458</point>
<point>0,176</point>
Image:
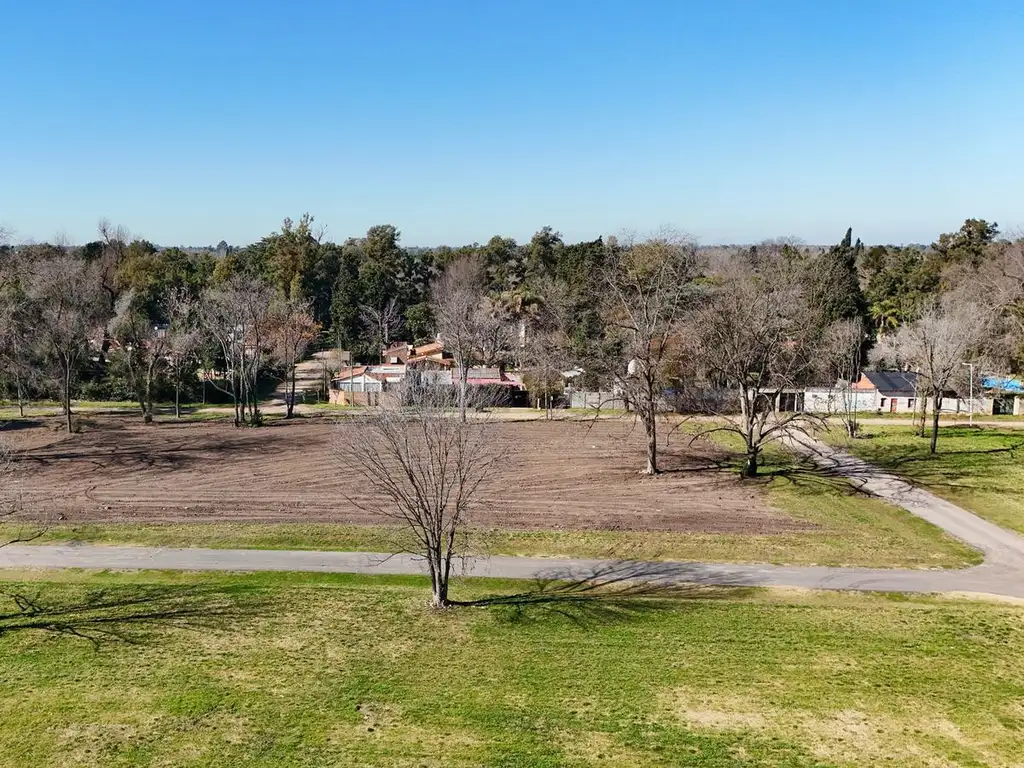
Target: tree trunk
<point>438,578</point>
<point>147,408</point>
<point>21,399</point>
<point>177,396</point>
<point>651,428</point>
<point>936,409</point>
<point>290,405</point>
<point>750,466</point>
<point>67,395</point>
<point>463,391</point>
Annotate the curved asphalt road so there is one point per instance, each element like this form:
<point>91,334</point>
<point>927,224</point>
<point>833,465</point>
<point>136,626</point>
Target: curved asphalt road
<point>1002,573</point>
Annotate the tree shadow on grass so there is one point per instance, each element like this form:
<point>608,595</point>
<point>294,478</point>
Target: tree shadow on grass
<point>806,475</point>
<point>611,592</point>
<point>126,613</point>
<point>16,424</point>
<point>982,467</point>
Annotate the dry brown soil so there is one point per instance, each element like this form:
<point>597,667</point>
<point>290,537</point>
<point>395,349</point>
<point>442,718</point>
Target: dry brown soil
<point>558,475</point>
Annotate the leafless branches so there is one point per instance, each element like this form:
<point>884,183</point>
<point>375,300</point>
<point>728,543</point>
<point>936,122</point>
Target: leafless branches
<point>937,345</point>
<point>292,330</point>
<point>236,317</point>
<point>382,323</point>
<point>424,467</point>
<point>184,338</point>
<point>754,336</point>
<point>650,290</point>
<point>66,298</point>
<point>471,328</point>
<point>841,353</point>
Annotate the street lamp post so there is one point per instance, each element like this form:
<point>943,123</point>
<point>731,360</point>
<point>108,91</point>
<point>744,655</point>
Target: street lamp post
<point>970,406</point>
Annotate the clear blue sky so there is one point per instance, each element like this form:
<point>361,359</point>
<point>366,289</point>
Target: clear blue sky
<point>191,122</point>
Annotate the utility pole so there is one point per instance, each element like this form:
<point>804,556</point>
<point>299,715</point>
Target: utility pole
<point>970,405</point>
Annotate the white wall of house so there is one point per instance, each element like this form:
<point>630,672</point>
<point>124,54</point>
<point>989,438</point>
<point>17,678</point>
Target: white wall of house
<point>361,383</point>
<point>836,400</point>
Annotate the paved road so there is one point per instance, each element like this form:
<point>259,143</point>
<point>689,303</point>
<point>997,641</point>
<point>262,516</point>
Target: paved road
<point>1002,572</point>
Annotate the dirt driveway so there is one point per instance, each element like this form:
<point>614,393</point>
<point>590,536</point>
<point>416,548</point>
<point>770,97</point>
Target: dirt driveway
<point>558,475</point>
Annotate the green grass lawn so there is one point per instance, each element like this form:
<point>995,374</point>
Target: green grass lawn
<point>981,469</point>
<point>308,670</point>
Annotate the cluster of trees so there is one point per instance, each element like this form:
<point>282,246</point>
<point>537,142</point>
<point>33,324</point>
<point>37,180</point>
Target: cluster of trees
<point>120,318</point>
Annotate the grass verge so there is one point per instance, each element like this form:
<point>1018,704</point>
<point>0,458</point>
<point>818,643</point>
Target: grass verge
<point>854,531</point>
<point>977,468</point>
<point>312,670</point>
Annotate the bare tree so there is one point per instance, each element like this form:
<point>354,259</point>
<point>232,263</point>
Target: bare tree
<point>891,352</point>
<point>145,345</point>
<point>8,495</point>
<point>183,338</point>
<point>754,336</point>
<point>937,344</point>
<point>650,289</point>
<point>68,311</point>
<point>424,468</point>
<point>382,323</point>
<point>16,328</point>
<point>115,240</point>
<point>546,349</point>
<point>236,315</point>
<point>842,354</point>
<point>999,285</point>
<point>471,328</point>
<point>292,330</point>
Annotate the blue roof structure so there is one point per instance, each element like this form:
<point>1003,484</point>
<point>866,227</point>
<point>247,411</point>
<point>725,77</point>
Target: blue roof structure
<point>1003,383</point>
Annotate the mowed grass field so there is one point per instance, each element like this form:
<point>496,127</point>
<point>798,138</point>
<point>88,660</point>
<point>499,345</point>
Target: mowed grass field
<point>981,469</point>
<point>309,670</point>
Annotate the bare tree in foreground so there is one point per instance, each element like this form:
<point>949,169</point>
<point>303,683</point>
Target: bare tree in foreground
<point>546,349</point>
<point>17,366</point>
<point>650,290</point>
<point>753,337</point>
<point>424,467</point>
<point>145,346</point>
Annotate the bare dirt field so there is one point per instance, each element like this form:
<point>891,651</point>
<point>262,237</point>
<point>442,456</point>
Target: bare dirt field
<point>559,474</point>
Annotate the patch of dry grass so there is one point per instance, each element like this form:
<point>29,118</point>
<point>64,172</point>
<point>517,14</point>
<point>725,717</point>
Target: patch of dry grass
<point>351,670</point>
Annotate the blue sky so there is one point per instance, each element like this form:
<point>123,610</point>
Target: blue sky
<point>192,122</point>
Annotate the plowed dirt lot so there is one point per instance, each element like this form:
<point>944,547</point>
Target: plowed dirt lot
<point>558,475</point>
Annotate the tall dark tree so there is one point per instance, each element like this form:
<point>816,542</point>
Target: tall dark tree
<point>967,244</point>
<point>835,283</point>
<point>543,251</point>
